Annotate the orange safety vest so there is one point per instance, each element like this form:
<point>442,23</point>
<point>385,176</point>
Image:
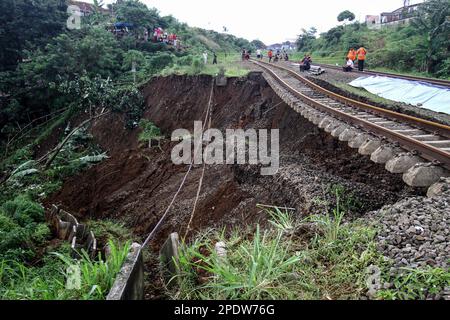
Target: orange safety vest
<point>351,55</point>
<point>361,53</point>
<point>270,53</point>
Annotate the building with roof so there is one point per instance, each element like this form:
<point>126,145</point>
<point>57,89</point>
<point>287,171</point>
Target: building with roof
<point>400,16</point>
<point>87,9</point>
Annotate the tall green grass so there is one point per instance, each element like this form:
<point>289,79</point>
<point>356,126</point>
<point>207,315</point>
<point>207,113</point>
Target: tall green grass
<point>229,62</point>
<point>48,282</point>
<point>283,262</point>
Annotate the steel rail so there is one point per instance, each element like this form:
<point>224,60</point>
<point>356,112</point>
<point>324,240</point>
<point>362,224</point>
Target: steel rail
<point>439,82</point>
<point>431,126</point>
<point>427,151</point>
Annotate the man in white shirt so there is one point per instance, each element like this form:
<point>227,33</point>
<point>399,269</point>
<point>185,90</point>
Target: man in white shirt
<point>349,65</point>
<point>205,57</point>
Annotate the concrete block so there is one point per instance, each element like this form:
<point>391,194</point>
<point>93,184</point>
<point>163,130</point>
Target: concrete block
<point>424,175</point>
<point>311,115</point>
<point>332,126</point>
<point>369,147</point>
<point>169,255</point>
<point>437,189</point>
<point>339,130</point>
<point>358,140</point>
<point>348,134</point>
<point>318,118</point>
<point>129,284</point>
<point>384,153</point>
<point>325,122</point>
<point>402,162</point>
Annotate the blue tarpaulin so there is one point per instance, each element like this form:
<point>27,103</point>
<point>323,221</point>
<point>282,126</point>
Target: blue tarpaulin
<point>427,95</point>
<point>123,25</point>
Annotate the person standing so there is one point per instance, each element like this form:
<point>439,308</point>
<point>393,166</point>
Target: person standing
<point>205,57</point>
<point>258,54</point>
<point>270,54</point>
<point>362,52</point>
<point>352,54</point>
<point>214,58</point>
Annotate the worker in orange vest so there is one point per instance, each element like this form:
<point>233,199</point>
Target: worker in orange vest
<point>362,52</point>
<point>352,54</point>
<point>270,54</point>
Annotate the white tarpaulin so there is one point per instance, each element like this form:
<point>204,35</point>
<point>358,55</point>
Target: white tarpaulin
<point>430,96</point>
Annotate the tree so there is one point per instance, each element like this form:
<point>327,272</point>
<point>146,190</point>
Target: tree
<point>137,13</point>
<point>346,16</point>
<point>26,24</point>
<point>432,19</point>
<point>258,44</point>
<point>306,39</point>
<point>333,36</point>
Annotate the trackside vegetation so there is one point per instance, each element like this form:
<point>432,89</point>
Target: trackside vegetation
<point>323,256</point>
<point>420,47</point>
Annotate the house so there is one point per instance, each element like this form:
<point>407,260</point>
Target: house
<point>399,15</point>
<point>402,15</point>
<point>87,9</point>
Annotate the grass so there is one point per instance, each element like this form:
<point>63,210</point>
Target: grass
<point>19,281</point>
<point>228,62</point>
<point>109,230</point>
<point>338,58</point>
<point>320,257</point>
<point>27,269</point>
<point>283,262</point>
<point>413,284</point>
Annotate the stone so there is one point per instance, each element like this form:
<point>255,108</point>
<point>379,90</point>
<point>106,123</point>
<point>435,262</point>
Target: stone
<point>424,175</point>
<point>348,134</point>
<point>369,147</point>
<point>439,188</point>
<point>383,154</point>
<point>338,131</point>
<point>358,140</point>
<point>402,163</point>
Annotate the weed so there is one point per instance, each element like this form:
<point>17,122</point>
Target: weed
<point>149,130</point>
<point>19,281</point>
<point>413,284</point>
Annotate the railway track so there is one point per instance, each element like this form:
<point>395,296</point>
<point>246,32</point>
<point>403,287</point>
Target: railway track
<point>382,134</point>
<point>439,82</point>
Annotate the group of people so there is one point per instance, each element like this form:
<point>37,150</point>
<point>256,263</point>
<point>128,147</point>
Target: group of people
<point>160,36</point>
<point>354,55</point>
<point>306,62</point>
<point>245,54</point>
<point>278,56</point>
<point>205,58</point>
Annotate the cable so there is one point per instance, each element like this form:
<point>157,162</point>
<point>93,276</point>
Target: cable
<point>161,220</point>
<point>200,184</point>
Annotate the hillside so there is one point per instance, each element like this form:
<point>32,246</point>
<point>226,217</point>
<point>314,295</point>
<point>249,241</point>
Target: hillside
<point>421,46</point>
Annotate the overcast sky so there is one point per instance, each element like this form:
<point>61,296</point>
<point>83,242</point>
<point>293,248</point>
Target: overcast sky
<point>269,21</point>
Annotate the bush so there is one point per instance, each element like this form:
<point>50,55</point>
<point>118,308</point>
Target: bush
<point>21,228</point>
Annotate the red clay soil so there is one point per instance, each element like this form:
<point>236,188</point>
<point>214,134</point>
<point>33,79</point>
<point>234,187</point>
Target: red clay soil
<point>137,184</point>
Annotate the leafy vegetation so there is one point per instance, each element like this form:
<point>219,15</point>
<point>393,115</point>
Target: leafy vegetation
<point>415,284</point>
<point>49,75</point>
<point>149,131</point>
<point>280,263</point>
<point>48,282</point>
<point>320,257</point>
<point>422,46</point>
